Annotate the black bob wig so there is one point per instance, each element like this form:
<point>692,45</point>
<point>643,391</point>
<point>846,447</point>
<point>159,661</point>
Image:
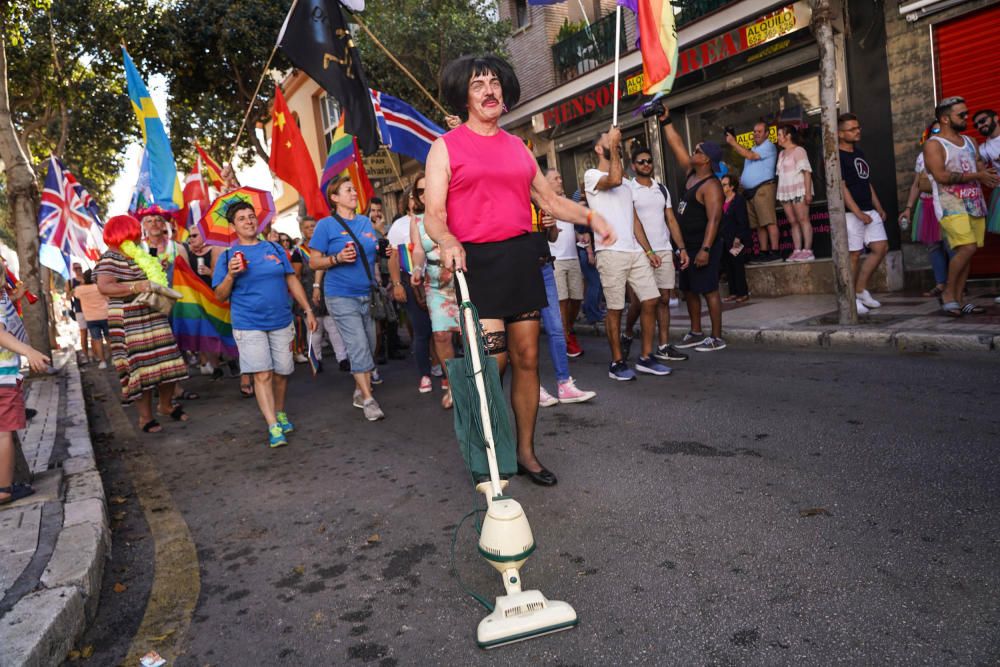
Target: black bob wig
<point>457,74</point>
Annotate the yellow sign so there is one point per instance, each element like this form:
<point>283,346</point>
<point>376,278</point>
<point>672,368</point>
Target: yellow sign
<point>382,165</point>
<point>633,84</point>
<point>746,139</point>
<point>771,27</point>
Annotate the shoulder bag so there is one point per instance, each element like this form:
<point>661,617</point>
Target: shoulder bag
<point>381,305</point>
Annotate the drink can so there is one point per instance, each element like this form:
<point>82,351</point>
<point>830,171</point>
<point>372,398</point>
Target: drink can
<point>904,223</point>
<point>241,258</point>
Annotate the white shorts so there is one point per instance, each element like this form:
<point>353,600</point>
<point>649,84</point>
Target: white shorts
<point>860,235</point>
<point>266,350</point>
<point>620,268</point>
<point>569,279</point>
<point>664,274</point>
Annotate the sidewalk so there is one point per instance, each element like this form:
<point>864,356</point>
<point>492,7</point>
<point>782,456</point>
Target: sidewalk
<point>905,322</point>
<point>52,544</point>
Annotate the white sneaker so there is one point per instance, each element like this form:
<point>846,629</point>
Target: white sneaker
<point>372,410</point>
<point>545,399</point>
<point>207,369</point>
<point>425,385</point>
<point>376,376</point>
<point>102,365</point>
<point>866,298</point>
<point>358,399</point>
<point>568,393</point>
<point>301,359</point>
<point>674,302</point>
<point>862,308</point>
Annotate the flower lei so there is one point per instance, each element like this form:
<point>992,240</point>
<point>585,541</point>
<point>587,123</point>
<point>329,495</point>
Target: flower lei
<point>149,264</point>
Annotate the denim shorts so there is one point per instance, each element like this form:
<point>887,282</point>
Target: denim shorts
<point>98,327</point>
<point>266,350</point>
<point>354,320</point>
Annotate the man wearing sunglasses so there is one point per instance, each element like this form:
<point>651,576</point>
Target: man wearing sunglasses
<point>985,121</point>
<point>957,179</point>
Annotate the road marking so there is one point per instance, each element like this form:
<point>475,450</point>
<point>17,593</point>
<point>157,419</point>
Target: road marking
<point>176,574</point>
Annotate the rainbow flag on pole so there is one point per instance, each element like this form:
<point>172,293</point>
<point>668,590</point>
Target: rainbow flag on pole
<point>201,322</point>
<point>658,43</point>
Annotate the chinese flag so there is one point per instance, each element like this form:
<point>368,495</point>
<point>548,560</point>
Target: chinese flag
<point>290,160</point>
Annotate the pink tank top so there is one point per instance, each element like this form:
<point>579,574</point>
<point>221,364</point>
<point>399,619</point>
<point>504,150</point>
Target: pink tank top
<point>489,197</point>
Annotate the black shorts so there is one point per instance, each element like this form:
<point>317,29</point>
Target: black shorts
<point>504,277</point>
<point>702,279</point>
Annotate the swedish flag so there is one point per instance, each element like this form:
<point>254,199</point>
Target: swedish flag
<point>165,186</point>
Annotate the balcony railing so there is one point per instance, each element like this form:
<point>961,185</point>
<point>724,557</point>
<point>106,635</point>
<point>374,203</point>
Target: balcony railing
<point>588,49</point>
<point>692,10</point>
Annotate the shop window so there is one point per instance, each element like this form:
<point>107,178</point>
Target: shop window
<point>329,112</point>
<point>584,156</point>
<point>520,14</point>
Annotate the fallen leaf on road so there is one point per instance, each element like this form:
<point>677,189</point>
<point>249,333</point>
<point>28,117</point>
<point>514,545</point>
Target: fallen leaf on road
<point>814,511</point>
<point>321,529</point>
<point>301,569</point>
<point>118,516</point>
<point>118,500</point>
<point>120,587</point>
<point>161,637</point>
<point>87,651</point>
<point>374,538</point>
<point>73,656</point>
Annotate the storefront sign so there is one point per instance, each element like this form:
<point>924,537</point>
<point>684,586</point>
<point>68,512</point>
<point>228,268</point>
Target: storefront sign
<point>382,165</point>
<point>746,139</point>
<point>762,30</point>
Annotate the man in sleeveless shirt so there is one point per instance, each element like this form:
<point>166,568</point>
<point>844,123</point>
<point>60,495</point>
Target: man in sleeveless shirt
<point>865,215</point>
<point>957,177</point>
<point>699,214</point>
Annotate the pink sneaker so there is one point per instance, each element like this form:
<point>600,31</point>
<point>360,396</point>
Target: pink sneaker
<point>796,256</point>
<point>568,393</point>
<point>807,256</point>
<point>425,385</point>
<point>545,399</point>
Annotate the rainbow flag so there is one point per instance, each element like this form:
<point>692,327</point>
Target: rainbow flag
<point>344,156</point>
<point>405,257</point>
<point>658,43</point>
<point>213,168</point>
<point>201,322</point>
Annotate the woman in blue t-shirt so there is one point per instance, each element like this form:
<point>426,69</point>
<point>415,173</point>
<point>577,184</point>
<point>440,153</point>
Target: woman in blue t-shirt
<point>257,287</point>
<point>347,283</point>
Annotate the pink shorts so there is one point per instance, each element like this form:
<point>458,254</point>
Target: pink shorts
<point>12,408</point>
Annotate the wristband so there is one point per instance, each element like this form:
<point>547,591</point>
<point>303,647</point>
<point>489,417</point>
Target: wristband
<point>315,285</point>
<point>680,250</point>
<point>590,217</point>
<point>706,248</point>
<point>333,261</point>
<point>650,252</point>
<point>666,121</point>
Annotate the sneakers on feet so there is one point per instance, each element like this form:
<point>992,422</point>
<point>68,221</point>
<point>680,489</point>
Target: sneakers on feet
<point>862,308</point>
<point>807,256</point>
<point>102,365</point>
<point>568,393</point>
<point>358,399</point>
<point>372,411</point>
<point>669,353</point>
<point>207,369</point>
<point>573,349</point>
<point>376,376</point>
<point>674,302</point>
<point>286,426</point>
<point>619,370</point>
<point>626,342</point>
<point>275,436</point>
<point>796,256</point>
<point>301,359</point>
<point>436,371</point>
<point>711,345</point>
<point>545,399</point>
<point>651,366</point>
<point>866,298</point>
<point>425,385</point>
<point>691,339</point>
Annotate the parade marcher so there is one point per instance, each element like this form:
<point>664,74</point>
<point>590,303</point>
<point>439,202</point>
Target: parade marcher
<point>630,261</point>
<point>202,258</point>
<point>387,342</point>
<point>795,192</point>
<point>480,184</point>
<point>759,189</point>
<point>312,283</point>
<point>400,274</point>
<point>95,311</point>
<point>566,270</point>
<point>735,232</point>
<point>256,278</point>
<point>985,121</point>
<point>437,282</point>
<point>344,247</point>
<point>652,206</point>
<point>957,177</point>
<point>925,226</point>
<point>865,215</point>
<point>143,348</point>
<point>699,214</point>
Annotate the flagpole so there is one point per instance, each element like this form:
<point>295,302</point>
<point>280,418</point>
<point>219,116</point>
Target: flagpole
<point>618,39</point>
<point>398,64</point>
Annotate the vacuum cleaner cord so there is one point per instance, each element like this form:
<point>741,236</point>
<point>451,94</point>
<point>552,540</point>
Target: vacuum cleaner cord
<point>454,568</point>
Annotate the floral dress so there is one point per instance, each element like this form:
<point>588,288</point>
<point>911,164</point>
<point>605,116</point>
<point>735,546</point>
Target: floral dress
<point>441,302</point>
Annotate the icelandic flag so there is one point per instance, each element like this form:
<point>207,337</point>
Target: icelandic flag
<point>404,129</point>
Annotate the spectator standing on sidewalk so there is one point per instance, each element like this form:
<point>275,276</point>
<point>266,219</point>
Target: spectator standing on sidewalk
<point>957,178</point>
<point>81,320</point>
<point>759,190</point>
<point>795,192</point>
<point>926,228</point>
<point>95,310</point>
<point>629,261</point>
<point>699,215</point>
<point>986,122</point>
<point>735,232</point>
<point>566,270</point>
<point>257,286</point>
<point>652,205</point>
<point>312,284</point>
<point>865,215</point>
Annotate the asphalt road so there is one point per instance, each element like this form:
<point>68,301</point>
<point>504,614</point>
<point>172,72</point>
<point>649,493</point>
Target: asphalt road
<point>757,507</point>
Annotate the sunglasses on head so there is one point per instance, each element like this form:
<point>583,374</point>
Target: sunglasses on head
<point>644,161</point>
<point>697,149</point>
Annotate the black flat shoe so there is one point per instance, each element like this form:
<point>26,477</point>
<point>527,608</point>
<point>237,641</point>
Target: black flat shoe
<point>543,477</point>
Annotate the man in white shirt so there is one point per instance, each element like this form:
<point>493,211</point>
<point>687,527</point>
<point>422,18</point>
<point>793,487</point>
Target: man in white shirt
<point>985,121</point>
<point>628,261</point>
<point>652,204</point>
<point>568,274</point>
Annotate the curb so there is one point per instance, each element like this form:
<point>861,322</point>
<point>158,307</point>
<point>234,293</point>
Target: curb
<point>42,627</point>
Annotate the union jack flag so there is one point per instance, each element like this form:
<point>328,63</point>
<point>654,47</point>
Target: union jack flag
<point>68,221</point>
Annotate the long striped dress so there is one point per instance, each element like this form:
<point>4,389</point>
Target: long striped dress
<point>143,348</point>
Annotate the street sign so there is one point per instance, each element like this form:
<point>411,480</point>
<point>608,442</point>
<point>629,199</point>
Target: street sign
<point>382,165</point>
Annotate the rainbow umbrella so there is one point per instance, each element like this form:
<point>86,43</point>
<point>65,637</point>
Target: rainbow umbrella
<point>215,227</point>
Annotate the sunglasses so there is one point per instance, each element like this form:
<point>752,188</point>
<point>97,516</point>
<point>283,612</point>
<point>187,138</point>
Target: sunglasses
<point>697,149</point>
<point>962,114</point>
<point>644,161</point>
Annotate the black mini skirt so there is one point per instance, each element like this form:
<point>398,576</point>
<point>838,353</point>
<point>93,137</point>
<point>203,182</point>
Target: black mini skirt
<point>505,277</point>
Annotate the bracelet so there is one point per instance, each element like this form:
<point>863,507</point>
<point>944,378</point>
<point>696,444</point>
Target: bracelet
<point>590,216</point>
<point>680,250</point>
<point>315,285</point>
<point>333,261</point>
<point>397,283</point>
<point>666,121</point>
<point>650,252</point>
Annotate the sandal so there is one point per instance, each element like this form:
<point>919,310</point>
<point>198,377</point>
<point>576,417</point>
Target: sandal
<point>178,414</point>
<point>16,491</point>
<point>936,292</point>
<point>972,309</point>
<point>952,309</point>
<point>152,426</point>
<point>246,390</point>
<point>187,396</point>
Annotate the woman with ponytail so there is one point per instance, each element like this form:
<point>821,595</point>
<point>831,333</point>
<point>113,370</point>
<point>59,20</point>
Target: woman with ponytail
<point>143,348</point>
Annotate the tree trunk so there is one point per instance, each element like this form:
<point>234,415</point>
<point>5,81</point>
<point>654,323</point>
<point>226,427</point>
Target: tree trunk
<point>22,193</point>
<point>822,27</point>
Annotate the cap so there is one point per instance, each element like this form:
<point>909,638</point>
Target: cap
<point>714,153</point>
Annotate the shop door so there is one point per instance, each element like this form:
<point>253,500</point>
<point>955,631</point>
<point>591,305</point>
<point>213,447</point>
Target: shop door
<point>967,49</point>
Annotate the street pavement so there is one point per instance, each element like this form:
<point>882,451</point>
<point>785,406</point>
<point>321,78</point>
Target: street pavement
<point>759,506</point>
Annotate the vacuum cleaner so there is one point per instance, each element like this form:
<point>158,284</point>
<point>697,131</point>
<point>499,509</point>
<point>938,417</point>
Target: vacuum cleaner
<point>505,539</point>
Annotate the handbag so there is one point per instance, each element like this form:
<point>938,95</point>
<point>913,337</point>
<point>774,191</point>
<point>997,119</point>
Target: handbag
<point>380,303</point>
<point>159,298</point>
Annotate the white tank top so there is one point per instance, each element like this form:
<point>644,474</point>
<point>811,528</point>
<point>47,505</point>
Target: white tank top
<point>958,198</point>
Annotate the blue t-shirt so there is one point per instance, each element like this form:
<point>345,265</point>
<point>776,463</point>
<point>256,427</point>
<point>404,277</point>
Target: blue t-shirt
<point>756,172</point>
<point>330,237</point>
<point>259,301</point>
